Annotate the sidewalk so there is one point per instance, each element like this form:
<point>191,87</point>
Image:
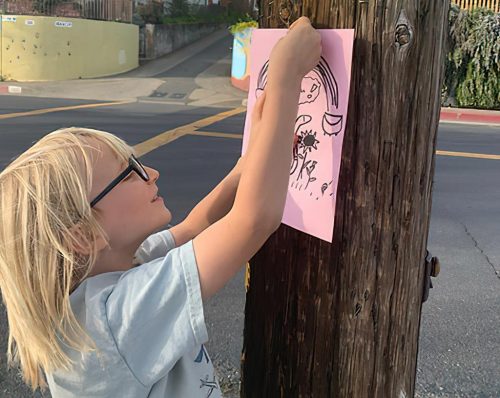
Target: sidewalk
<point>105,89</point>
<point>211,87</point>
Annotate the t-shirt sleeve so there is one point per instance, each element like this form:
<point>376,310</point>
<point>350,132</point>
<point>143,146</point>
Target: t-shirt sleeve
<point>155,314</point>
<point>155,246</point>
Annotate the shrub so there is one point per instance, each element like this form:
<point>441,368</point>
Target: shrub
<point>473,62</point>
<point>150,12</point>
<point>177,8</point>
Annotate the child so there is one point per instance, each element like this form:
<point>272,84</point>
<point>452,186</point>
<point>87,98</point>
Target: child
<point>75,208</point>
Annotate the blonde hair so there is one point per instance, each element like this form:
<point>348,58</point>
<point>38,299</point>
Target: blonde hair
<point>45,213</point>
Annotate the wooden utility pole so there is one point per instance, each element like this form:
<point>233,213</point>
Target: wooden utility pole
<point>342,319</point>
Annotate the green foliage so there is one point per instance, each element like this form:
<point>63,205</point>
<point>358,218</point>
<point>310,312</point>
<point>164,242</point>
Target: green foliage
<point>473,62</point>
<point>150,12</point>
<point>205,15</point>
<point>177,8</point>
<point>188,19</point>
<point>242,24</point>
<point>45,6</point>
<point>235,18</point>
<point>182,12</point>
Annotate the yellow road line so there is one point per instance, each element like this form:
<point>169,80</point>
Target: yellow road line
<point>60,109</point>
<point>440,153</point>
<point>214,134</point>
<point>171,135</point>
<point>468,155</point>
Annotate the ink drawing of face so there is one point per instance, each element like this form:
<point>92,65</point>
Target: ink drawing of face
<point>310,90</point>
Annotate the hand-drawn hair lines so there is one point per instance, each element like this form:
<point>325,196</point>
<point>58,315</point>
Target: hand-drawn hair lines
<point>332,122</point>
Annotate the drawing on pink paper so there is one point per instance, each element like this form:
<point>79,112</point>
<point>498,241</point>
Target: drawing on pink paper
<point>319,127</point>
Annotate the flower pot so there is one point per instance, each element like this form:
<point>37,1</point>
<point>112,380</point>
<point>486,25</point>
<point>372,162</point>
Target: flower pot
<point>240,69</point>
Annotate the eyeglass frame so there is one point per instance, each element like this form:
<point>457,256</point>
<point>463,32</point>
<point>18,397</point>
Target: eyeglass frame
<point>133,166</point>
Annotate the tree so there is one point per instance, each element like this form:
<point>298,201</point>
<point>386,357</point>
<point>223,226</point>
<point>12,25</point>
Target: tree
<point>342,319</point>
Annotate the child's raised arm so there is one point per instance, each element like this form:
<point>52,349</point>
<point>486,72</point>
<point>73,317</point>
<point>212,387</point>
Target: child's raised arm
<point>220,200</point>
<point>258,207</point>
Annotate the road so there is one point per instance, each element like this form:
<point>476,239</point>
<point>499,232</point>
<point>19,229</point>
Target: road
<point>459,339</point>
<point>459,343</point>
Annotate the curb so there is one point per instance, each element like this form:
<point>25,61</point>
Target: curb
<point>7,89</point>
<point>458,115</point>
<point>448,115</point>
<point>471,116</point>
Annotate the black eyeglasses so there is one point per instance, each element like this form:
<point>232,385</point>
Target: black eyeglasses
<point>133,165</point>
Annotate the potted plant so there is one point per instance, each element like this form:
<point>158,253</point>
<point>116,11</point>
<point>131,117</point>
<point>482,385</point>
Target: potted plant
<point>240,69</point>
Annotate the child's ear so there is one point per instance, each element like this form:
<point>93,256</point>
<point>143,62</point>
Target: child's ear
<point>80,242</point>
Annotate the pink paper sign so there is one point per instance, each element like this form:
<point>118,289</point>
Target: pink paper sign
<point>319,127</point>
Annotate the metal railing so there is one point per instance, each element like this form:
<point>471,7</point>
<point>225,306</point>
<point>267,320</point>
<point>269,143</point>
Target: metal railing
<point>105,10</point>
<point>493,5</point>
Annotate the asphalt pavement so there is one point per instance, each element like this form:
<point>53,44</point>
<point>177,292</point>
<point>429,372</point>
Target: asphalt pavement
<point>459,339</point>
<point>459,343</point>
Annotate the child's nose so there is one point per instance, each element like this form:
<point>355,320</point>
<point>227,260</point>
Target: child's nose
<point>153,174</point>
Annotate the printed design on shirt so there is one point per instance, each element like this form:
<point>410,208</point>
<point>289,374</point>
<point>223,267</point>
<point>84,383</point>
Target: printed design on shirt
<point>202,354</point>
<point>210,385</point>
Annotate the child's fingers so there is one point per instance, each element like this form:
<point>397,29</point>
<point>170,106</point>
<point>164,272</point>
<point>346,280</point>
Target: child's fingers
<point>300,20</point>
<point>259,106</point>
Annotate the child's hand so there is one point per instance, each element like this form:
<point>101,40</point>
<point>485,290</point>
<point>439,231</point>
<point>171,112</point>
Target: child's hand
<point>297,53</point>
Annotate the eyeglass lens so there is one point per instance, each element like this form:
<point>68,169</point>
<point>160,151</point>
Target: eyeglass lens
<point>139,168</point>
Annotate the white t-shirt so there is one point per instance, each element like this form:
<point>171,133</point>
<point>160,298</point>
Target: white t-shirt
<point>149,327</point>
